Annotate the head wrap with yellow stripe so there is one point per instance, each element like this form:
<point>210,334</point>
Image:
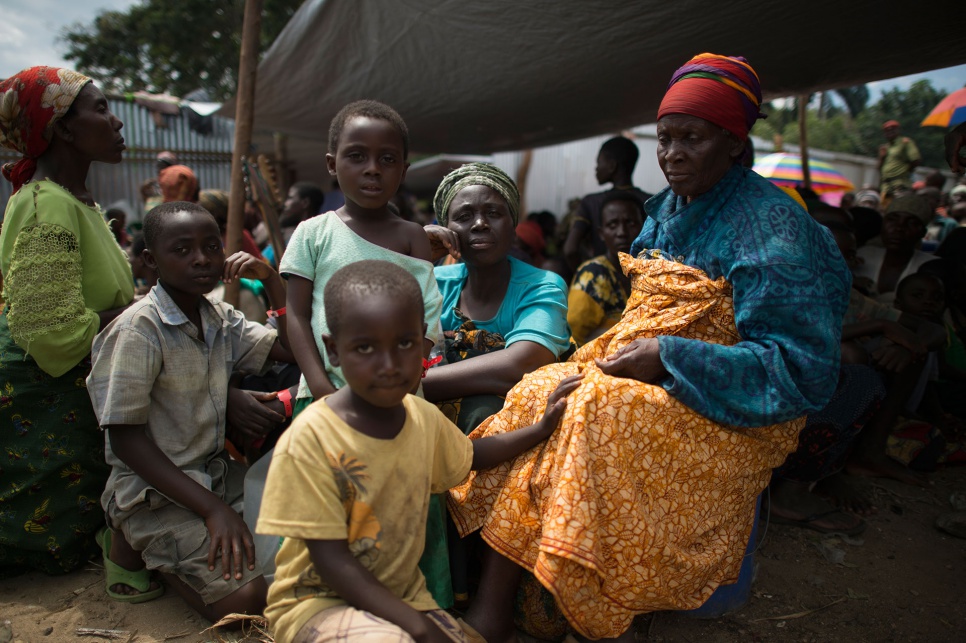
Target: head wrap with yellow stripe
<point>723,90</point>
<point>475,174</point>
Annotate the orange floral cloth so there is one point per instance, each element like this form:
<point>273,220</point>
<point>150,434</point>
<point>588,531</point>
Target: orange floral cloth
<point>636,503</point>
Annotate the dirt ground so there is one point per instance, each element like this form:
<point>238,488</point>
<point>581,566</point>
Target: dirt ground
<point>902,580</point>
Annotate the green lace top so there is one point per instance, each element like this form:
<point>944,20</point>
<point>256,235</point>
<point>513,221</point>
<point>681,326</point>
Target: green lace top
<point>60,266</point>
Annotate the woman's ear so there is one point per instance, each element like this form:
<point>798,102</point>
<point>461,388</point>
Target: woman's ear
<point>737,148</point>
<point>63,130</point>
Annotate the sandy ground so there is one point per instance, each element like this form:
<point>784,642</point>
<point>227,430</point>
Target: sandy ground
<point>902,580</point>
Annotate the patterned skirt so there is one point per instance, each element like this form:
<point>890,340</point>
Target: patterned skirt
<point>52,469</point>
<point>636,503</point>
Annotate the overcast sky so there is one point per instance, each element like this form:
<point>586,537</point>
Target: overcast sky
<point>29,31</point>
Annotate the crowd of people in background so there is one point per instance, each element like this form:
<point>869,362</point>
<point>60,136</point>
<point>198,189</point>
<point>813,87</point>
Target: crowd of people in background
<point>764,338</point>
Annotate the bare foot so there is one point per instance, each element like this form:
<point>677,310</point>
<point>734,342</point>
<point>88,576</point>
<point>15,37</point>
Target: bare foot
<point>846,494</point>
<point>883,466</point>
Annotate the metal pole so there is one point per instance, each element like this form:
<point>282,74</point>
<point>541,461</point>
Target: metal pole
<point>244,111</point>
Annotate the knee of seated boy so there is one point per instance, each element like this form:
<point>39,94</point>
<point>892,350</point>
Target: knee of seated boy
<point>175,541</point>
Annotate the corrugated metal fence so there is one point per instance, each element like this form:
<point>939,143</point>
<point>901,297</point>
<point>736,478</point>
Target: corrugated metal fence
<point>562,172</point>
<point>209,155</point>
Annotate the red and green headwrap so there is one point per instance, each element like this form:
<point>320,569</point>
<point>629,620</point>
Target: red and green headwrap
<point>723,90</point>
<point>30,103</point>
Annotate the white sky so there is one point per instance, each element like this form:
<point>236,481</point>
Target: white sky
<point>29,32</point>
<point>29,29</point>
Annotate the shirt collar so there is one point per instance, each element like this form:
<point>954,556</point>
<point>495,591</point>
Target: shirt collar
<point>172,315</point>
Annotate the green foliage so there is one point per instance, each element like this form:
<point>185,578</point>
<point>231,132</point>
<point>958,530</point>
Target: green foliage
<point>860,132</point>
<point>909,107</point>
<point>855,98</point>
<point>173,47</point>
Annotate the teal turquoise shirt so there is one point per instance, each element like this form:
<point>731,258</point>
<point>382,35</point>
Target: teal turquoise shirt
<point>791,289</point>
<point>534,308</point>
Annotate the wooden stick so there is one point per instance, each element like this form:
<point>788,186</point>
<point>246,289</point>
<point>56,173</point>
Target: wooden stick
<point>523,172</point>
<point>104,634</point>
<point>244,115</point>
<point>788,617</point>
<point>282,179</point>
<point>262,181</point>
<point>803,141</point>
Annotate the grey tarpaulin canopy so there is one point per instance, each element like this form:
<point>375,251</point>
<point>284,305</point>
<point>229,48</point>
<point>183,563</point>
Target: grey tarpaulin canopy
<point>483,76</point>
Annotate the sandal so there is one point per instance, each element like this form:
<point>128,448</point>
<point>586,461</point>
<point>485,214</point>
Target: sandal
<point>117,575</point>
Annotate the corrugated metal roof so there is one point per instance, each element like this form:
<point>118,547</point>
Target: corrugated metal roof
<point>209,155</point>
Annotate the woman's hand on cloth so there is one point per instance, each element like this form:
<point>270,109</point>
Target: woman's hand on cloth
<point>640,360</point>
<point>253,414</point>
<point>442,241</point>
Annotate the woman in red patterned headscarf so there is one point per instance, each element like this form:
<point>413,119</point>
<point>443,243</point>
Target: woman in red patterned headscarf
<point>64,277</point>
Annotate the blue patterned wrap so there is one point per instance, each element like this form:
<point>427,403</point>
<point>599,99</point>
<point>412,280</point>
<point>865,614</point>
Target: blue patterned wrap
<point>791,289</point>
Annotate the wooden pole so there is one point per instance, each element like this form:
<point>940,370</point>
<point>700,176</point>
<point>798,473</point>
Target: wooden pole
<point>244,113</point>
<point>522,173</point>
<point>803,141</point>
<point>282,179</point>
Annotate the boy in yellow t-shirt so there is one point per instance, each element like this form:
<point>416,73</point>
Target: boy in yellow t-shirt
<point>350,481</point>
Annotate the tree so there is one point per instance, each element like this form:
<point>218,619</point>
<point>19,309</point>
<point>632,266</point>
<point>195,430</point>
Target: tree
<point>859,129</point>
<point>855,98</point>
<point>173,47</point>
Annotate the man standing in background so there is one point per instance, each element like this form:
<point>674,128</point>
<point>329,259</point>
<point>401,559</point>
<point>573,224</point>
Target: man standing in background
<point>897,159</point>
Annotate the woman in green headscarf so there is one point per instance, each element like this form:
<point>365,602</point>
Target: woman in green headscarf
<point>502,318</point>
<point>506,315</point>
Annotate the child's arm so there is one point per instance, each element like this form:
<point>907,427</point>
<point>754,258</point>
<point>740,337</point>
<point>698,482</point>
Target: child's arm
<point>419,247</point>
<point>359,588</point>
<point>931,334</point>
<point>893,331</point>
<point>244,265</point>
<point>492,450</point>
<point>303,342</point>
<point>228,531</point>
<point>490,374</point>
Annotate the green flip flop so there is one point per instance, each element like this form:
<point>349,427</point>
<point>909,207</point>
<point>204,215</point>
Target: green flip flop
<point>117,575</point>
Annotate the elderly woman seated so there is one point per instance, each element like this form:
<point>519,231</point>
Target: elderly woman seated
<point>644,498</point>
